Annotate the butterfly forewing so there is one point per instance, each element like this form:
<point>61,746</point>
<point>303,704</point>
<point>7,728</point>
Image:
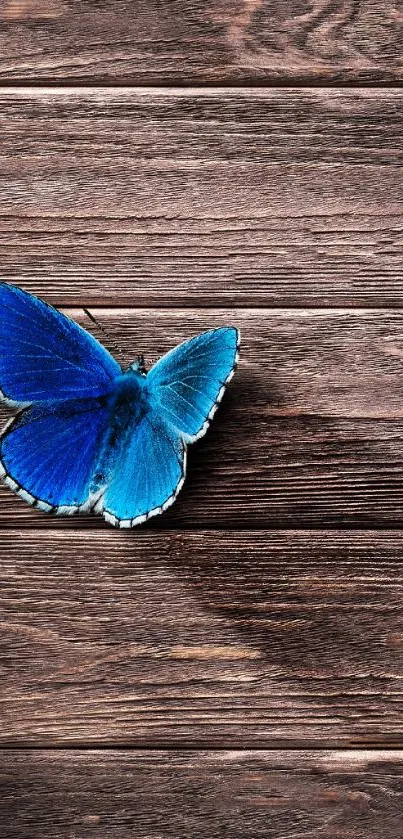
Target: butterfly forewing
<point>45,356</point>
<point>187,384</point>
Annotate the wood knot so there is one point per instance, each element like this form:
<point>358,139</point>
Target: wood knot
<point>93,819</point>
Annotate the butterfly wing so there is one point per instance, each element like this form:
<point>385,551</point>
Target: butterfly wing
<point>148,474</point>
<point>50,453</point>
<point>44,355</point>
<point>48,456</point>
<point>183,391</point>
<point>187,384</point>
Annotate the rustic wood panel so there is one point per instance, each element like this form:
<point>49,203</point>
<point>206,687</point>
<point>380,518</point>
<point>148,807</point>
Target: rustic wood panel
<point>186,41</point>
<point>233,639</point>
<point>183,636</point>
<point>203,197</point>
<point>113,795</point>
<point>310,431</point>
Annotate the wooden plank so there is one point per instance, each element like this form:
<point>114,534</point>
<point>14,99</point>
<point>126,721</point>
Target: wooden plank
<point>148,42</point>
<point>251,795</point>
<point>201,639</point>
<point>310,432</point>
<point>195,197</point>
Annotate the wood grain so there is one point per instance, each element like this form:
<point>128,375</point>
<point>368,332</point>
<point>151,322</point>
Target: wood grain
<point>197,197</point>
<point>310,432</point>
<point>235,639</point>
<point>190,41</point>
<point>255,795</point>
<point>199,207</point>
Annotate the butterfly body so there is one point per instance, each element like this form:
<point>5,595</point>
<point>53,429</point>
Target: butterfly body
<point>90,437</point>
<point>128,402</point>
<point>127,405</point>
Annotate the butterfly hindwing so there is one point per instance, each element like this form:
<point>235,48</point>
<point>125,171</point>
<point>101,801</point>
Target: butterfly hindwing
<point>148,474</point>
<point>187,384</point>
<point>48,455</point>
<point>44,355</point>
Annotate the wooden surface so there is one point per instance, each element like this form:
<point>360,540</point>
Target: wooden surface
<point>245,795</point>
<point>176,166</point>
<point>235,638</point>
<point>190,41</point>
<point>203,197</point>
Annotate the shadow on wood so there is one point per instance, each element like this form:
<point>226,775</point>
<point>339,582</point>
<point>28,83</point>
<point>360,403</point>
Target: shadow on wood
<point>198,638</point>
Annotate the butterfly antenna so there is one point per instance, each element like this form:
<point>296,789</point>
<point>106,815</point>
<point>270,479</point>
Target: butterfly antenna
<point>105,333</point>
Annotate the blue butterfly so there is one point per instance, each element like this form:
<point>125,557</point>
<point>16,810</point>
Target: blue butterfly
<point>90,437</point>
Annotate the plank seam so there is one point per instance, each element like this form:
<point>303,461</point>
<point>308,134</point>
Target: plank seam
<point>122,747</point>
<point>295,528</point>
<point>171,84</point>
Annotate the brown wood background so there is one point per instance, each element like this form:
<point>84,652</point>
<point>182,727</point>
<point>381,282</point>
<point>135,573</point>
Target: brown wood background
<point>235,667</point>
